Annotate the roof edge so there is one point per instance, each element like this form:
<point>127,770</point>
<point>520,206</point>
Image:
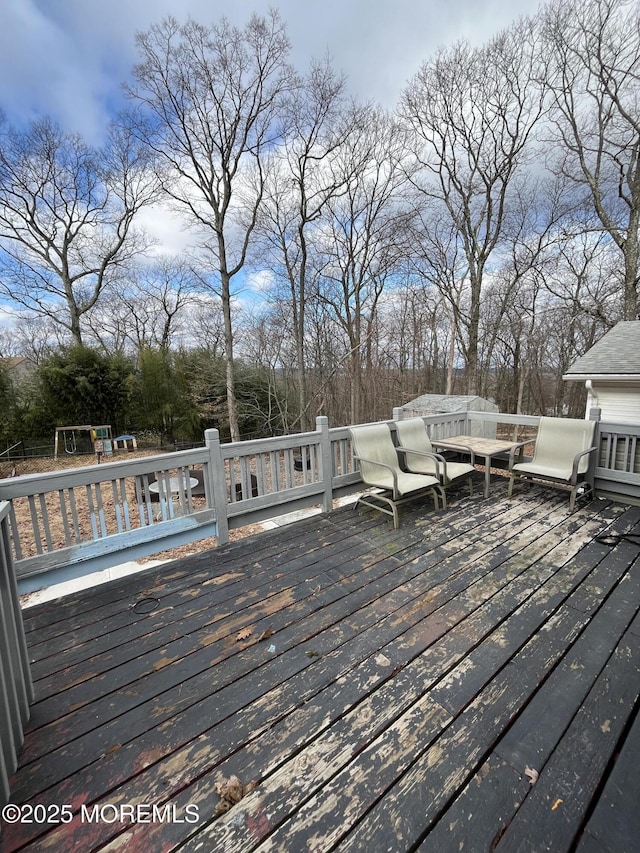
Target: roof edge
<point>601,377</point>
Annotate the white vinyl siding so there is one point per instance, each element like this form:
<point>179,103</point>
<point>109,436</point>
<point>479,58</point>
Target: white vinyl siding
<point>618,401</point>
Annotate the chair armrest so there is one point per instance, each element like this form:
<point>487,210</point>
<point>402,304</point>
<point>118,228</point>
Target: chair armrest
<point>576,462</point>
<point>512,453</point>
<point>437,457</point>
<point>459,447</point>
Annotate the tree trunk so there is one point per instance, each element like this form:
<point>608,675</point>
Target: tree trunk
<point>232,405</point>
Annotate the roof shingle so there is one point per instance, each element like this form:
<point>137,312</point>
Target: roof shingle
<point>618,352</point>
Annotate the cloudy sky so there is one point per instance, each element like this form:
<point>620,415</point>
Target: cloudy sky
<point>68,58</point>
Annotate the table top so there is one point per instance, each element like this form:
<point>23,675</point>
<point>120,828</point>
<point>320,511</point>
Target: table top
<point>479,445</point>
<point>176,484</point>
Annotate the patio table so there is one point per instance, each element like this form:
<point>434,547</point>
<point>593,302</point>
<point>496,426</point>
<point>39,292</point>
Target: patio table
<point>477,446</point>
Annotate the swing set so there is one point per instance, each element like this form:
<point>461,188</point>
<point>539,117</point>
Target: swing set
<point>73,439</point>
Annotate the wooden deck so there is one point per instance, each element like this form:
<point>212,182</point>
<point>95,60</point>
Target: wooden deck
<point>468,682</point>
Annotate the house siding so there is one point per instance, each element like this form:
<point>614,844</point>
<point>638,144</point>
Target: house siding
<point>619,402</point>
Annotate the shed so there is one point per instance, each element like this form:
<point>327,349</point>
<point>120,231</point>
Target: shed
<point>438,404</point>
<point>611,373</point>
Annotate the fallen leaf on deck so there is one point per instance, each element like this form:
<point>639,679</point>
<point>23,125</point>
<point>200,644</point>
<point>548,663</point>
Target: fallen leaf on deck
<point>244,634</point>
<point>230,791</point>
<point>532,775</point>
<point>312,654</point>
<point>382,660</point>
<point>556,804</point>
<point>605,728</point>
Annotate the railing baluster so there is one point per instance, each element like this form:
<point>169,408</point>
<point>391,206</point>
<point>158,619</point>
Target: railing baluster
<point>63,515</point>
<point>101,518</point>
<point>188,497</point>
<point>116,506</point>
<point>274,471</point>
<point>92,511</point>
<point>289,468</point>
<point>166,505</point>
<point>35,524</point>
<point>44,515</point>
<point>74,514</point>
<point>261,474</point>
<point>143,501</point>
<point>182,496</point>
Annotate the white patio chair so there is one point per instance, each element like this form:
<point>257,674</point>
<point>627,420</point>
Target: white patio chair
<point>380,468</point>
<point>561,456</point>
<point>420,457</point>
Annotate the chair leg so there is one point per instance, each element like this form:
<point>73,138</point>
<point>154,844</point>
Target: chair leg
<point>393,511</point>
<point>443,494</point>
<point>510,489</point>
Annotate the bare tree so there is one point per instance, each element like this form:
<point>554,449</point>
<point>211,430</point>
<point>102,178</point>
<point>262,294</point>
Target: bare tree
<point>365,241</point>
<point>305,173</point>
<point>440,261</point>
<point>213,97</point>
<point>149,309</point>
<point>595,81</point>
<point>34,337</point>
<point>473,112</point>
<point>534,228</point>
<point>66,217</point>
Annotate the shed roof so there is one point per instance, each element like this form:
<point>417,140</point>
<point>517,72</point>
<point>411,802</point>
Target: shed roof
<point>616,354</point>
<point>445,403</point>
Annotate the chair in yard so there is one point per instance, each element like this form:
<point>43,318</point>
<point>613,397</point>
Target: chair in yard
<point>561,456</point>
<point>420,458</point>
<point>380,468</point>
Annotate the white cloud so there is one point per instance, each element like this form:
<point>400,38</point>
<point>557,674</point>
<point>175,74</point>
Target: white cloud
<point>261,281</point>
<point>168,229</point>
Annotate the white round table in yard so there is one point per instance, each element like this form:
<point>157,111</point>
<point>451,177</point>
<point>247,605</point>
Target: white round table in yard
<point>175,486</point>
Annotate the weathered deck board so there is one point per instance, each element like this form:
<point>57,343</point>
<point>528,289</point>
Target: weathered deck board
<point>615,823</point>
<point>415,675</point>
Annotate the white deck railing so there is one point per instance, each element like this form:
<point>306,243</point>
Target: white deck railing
<point>16,691</point>
<point>617,471</point>
<point>71,523</point>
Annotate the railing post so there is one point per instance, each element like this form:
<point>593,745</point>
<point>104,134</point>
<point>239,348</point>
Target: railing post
<point>326,462</point>
<point>595,414</point>
<point>217,484</point>
<point>397,413</point>
<point>16,689</point>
